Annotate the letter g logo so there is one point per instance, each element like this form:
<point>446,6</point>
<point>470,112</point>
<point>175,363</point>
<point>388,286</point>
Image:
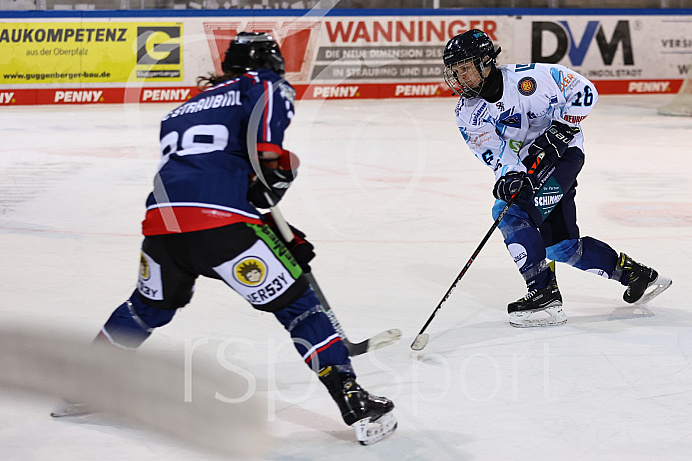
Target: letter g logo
<point>158,45</point>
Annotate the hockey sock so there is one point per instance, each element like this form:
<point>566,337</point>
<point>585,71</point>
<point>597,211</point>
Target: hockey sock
<point>313,334</point>
<point>587,254</point>
<point>132,323</point>
<point>526,247</point>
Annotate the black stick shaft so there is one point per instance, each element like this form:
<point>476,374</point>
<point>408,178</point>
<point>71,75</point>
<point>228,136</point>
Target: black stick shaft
<point>468,264</point>
<point>549,171</point>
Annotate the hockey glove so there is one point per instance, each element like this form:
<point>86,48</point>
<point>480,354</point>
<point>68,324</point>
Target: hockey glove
<point>302,250</point>
<point>278,176</point>
<point>511,184</point>
<point>553,141</point>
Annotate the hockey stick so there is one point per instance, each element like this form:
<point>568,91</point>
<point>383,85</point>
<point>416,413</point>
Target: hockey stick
<point>376,342</point>
<point>422,339</point>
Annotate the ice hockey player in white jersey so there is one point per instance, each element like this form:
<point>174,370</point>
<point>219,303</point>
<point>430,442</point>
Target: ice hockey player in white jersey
<point>523,122</point>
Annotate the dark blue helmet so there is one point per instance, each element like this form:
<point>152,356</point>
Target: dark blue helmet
<point>252,51</point>
<point>474,46</point>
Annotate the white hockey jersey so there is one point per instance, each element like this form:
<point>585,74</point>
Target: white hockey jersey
<point>534,95</point>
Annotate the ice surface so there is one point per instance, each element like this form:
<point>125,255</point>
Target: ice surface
<point>395,204</point>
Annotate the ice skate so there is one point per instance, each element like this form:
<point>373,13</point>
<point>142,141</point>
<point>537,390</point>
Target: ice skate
<point>644,283</point>
<point>370,416</point>
<point>548,300</point>
<point>64,408</point>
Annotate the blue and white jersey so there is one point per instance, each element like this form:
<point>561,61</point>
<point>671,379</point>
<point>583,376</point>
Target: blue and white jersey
<point>205,168</point>
<point>534,95</point>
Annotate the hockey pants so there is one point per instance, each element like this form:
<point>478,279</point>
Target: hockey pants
<point>547,227</point>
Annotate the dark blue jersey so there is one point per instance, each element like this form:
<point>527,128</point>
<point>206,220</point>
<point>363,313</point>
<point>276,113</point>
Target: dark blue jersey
<point>205,171</point>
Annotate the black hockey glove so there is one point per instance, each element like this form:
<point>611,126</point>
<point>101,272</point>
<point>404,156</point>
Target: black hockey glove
<point>511,184</point>
<point>302,250</point>
<point>553,141</point>
<point>278,176</point>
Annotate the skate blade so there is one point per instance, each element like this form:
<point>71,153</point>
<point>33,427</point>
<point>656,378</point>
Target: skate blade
<point>369,430</point>
<point>64,409</point>
<point>657,287</point>
<point>521,319</point>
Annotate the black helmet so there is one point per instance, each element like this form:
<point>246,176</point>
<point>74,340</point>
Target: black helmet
<point>252,51</point>
<point>475,46</point>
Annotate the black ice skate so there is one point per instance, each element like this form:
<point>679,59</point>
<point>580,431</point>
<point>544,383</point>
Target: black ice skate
<point>370,416</point>
<point>640,279</point>
<point>548,300</point>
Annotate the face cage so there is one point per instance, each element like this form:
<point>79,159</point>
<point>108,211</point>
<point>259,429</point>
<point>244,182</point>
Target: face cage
<point>457,82</point>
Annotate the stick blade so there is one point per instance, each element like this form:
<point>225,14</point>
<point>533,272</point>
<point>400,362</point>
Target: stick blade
<point>420,342</point>
<point>384,339</point>
<point>378,341</point>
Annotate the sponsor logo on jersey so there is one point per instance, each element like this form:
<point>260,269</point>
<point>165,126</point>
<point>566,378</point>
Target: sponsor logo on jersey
<point>144,272</point>
<point>518,253</point>
<point>287,92</point>
<point>269,291</point>
<point>507,119</point>
<point>599,272</point>
<point>527,86</point>
<point>149,283</point>
<point>574,118</point>
<point>477,141</point>
<point>250,271</point>
<point>564,80</point>
<point>515,146</point>
<point>478,115</point>
<point>488,156</point>
<point>548,197</point>
<point>459,105</point>
<point>547,200</point>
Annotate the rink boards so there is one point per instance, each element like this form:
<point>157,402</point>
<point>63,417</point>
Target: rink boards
<point>93,57</point>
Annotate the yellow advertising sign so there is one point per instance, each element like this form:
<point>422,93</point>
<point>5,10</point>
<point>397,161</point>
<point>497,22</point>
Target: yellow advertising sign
<point>96,52</point>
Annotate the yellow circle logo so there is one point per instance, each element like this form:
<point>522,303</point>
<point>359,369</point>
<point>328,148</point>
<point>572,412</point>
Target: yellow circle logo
<point>144,267</point>
<point>250,271</point>
<point>527,86</point>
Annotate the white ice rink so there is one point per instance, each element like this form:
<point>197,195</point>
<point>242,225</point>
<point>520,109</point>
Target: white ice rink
<point>395,204</point>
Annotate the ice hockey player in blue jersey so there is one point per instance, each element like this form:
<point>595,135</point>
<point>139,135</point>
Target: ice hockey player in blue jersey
<point>523,122</point>
<point>202,220</point>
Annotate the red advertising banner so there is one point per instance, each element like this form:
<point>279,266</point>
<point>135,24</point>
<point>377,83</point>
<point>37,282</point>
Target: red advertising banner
<point>341,56</point>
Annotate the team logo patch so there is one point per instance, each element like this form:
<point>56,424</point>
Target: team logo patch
<point>518,253</point>
<point>149,283</point>
<point>527,86</point>
<point>250,271</point>
<point>144,271</point>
